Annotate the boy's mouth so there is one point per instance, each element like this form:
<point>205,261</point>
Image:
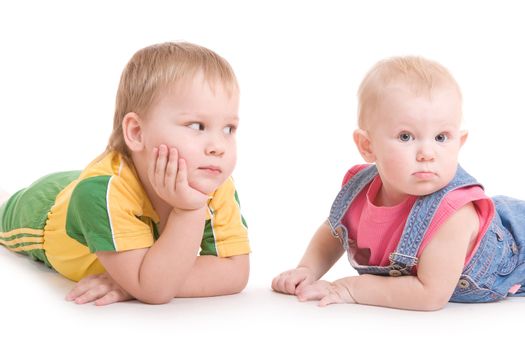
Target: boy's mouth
<point>211,169</point>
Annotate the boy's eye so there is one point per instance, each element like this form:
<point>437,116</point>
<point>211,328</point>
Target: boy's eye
<point>230,129</point>
<point>196,126</point>
<point>441,138</point>
<point>405,136</point>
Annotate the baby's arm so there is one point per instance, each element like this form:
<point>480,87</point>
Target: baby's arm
<point>322,253</point>
<point>439,269</point>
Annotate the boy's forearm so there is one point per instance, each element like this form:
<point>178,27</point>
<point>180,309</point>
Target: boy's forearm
<point>323,252</point>
<point>169,261</point>
<point>212,275</point>
<point>405,292</point>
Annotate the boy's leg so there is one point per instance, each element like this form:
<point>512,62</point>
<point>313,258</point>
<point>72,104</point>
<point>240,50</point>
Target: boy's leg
<point>4,196</point>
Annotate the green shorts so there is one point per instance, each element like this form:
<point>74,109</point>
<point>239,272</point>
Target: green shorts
<point>23,217</point>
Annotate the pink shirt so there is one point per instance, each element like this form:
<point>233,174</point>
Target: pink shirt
<point>377,230</point>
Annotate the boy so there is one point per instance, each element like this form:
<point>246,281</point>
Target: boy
<point>134,219</point>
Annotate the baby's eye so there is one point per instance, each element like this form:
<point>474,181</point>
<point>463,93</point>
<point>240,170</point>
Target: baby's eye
<point>405,136</point>
<point>196,126</point>
<point>442,138</point>
<point>230,129</point>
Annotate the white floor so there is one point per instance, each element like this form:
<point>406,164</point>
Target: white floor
<point>299,64</point>
<point>33,311</point>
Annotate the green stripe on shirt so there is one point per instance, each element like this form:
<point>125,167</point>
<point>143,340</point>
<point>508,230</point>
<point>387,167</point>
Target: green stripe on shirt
<point>87,219</point>
<point>208,245</point>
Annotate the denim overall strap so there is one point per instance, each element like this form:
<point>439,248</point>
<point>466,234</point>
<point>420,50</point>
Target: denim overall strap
<point>419,219</point>
<point>343,200</point>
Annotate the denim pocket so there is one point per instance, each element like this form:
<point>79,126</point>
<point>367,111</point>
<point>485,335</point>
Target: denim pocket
<point>508,258</point>
<point>468,291</point>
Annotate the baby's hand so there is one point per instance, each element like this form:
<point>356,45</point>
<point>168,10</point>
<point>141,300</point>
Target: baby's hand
<point>168,175</point>
<point>289,281</point>
<point>101,289</point>
<point>326,292</point>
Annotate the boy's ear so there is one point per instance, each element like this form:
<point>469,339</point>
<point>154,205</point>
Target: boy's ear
<point>362,141</point>
<point>132,132</point>
<point>463,137</point>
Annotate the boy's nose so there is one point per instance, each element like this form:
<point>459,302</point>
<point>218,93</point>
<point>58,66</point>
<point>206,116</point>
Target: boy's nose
<point>215,147</point>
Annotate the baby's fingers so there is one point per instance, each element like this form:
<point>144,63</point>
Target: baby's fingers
<point>332,298</point>
<point>279,283</point>
<point>315,291</point>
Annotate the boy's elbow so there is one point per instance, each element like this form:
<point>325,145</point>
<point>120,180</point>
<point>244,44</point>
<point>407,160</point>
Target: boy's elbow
<point>240,283</point>
<point>241,274</point>
<point>155,296</point>
<point>155,299</point>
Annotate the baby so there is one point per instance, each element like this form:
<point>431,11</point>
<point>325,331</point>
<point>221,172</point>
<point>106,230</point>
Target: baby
<point>418,228</point>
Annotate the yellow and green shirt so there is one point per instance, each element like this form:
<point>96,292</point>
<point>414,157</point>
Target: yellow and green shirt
<point>105,208</point>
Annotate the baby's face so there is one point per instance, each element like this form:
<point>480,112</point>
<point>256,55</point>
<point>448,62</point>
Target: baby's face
<point>201,123</point>
<point>416,140</point>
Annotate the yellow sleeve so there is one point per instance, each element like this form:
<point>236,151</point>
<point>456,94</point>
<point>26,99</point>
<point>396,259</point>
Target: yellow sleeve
<point>229,228</point>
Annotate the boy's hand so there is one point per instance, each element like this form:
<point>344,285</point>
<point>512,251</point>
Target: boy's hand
<point>289,281</point>
<point>101,289</point>
<point>327,293</point>
<point>168,175</point>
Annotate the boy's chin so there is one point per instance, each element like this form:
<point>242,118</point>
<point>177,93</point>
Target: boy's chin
<point>206,187</point>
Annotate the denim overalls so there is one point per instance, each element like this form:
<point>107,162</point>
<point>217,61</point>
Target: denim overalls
<point>497,265</point>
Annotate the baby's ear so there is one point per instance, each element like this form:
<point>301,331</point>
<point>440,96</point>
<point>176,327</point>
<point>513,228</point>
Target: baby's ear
<point>132,132</point>
<point>362,141</point>
<point>463,135</point>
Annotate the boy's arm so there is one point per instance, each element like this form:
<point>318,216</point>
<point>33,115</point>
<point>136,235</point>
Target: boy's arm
<point>165,270</point>
<point>439,269</point>
<point>212,275</point>
<point>209,276</point>
<point>155,275</point>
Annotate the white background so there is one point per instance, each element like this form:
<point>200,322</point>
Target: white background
<point>299,64</point>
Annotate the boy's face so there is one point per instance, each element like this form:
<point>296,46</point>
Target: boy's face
<point>415,140</point>
<point>201,123</point>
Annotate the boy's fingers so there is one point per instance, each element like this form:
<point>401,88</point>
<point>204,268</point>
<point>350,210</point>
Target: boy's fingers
<point>92,294</point>
<point>182,173</point>
<point>171,169</point>
<point>109,298</point>
<point>160,166</point>
<point>80,288</point>
<point>74,293</point>
<point>152,163</point>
